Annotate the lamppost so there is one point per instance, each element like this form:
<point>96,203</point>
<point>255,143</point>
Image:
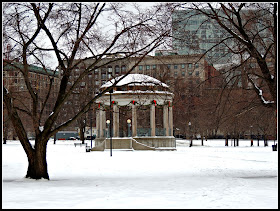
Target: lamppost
<point>108,125</point>
<point>111,108</point>
<point>190,133</point>
<point>109,134</point>
<point>128,127</point>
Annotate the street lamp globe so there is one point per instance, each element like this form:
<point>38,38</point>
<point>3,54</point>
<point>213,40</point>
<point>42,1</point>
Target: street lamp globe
<point>128,121</point>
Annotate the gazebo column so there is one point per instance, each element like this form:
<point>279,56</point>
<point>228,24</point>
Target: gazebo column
<point>102,123</point>
<point>98,123</point>
<point>170,121</point>
<point>134,121</point>
<point>116,120</point>
<point>165,120</point>
<point>153,119</point>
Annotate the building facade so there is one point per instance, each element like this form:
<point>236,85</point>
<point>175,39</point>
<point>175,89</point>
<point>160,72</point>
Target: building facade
<point>13,81</point>
<point>166,68</point>
<point>194,33</point>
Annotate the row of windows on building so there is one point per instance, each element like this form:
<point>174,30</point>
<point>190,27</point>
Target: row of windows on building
<point>169,66</point>
<point>15,81</point>
<point>105,77</point>
<point>17,76</point>
<point>104,74</point>
<point>122,69</point>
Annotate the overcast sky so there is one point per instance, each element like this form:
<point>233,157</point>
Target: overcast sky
<point>52,62</point>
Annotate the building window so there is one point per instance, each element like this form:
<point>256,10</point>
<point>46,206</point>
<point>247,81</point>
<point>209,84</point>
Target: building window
<point>117,70</point>
<point>147,67</point>
<point>110,69</point>
<point>83,84</point>
<point>252,65</point>
<point>175,66</point>
<point>190,72</point>
<point>154,67</point>
<point>123,69</point>
<point>183,66</point>
<point>183,73</point>
<point>140,67</point>
<point>197,73</point>
<point>196,65</point>
<point>190,65</point>
<point>103,71</point>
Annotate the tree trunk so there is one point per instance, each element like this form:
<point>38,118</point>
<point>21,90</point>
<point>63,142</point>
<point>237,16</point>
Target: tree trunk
<point>226,142</point>
<point>82,133</point>
<point>37,162</point>
<point>237,141</point>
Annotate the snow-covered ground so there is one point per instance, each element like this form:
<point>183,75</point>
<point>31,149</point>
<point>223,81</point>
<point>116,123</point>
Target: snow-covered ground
<point>209,176</point>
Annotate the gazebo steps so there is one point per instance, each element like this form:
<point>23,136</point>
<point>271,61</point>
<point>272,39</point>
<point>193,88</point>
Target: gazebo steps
<point>165,149</point>
<point>126,144</point>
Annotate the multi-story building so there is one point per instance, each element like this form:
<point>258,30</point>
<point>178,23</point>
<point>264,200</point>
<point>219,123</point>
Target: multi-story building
<point>194,33</point>
<point>166,68</point>
<point>39,78</point>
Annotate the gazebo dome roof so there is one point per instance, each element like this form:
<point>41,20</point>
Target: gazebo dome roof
<point>136,87</point>
<point>135,80</point>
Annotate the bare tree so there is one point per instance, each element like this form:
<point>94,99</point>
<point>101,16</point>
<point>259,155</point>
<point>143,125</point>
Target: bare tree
<point>251,27</point>
<point>72,34</point>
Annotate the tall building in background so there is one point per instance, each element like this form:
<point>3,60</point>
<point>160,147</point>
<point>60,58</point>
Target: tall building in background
<point>195,34</point>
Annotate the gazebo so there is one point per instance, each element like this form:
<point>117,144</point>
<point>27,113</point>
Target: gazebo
<point>135,90</point>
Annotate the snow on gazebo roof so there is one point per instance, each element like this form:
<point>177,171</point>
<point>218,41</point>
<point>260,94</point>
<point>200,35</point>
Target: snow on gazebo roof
<point>135,80</point>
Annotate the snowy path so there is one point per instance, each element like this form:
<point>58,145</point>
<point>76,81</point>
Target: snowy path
<point>212,176</point>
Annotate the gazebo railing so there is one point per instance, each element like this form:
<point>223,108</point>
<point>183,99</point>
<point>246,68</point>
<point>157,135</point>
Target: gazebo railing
<point>147,131</point>
<point>160,131</point>
<point>140,132</point>
<point>143,131</point>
